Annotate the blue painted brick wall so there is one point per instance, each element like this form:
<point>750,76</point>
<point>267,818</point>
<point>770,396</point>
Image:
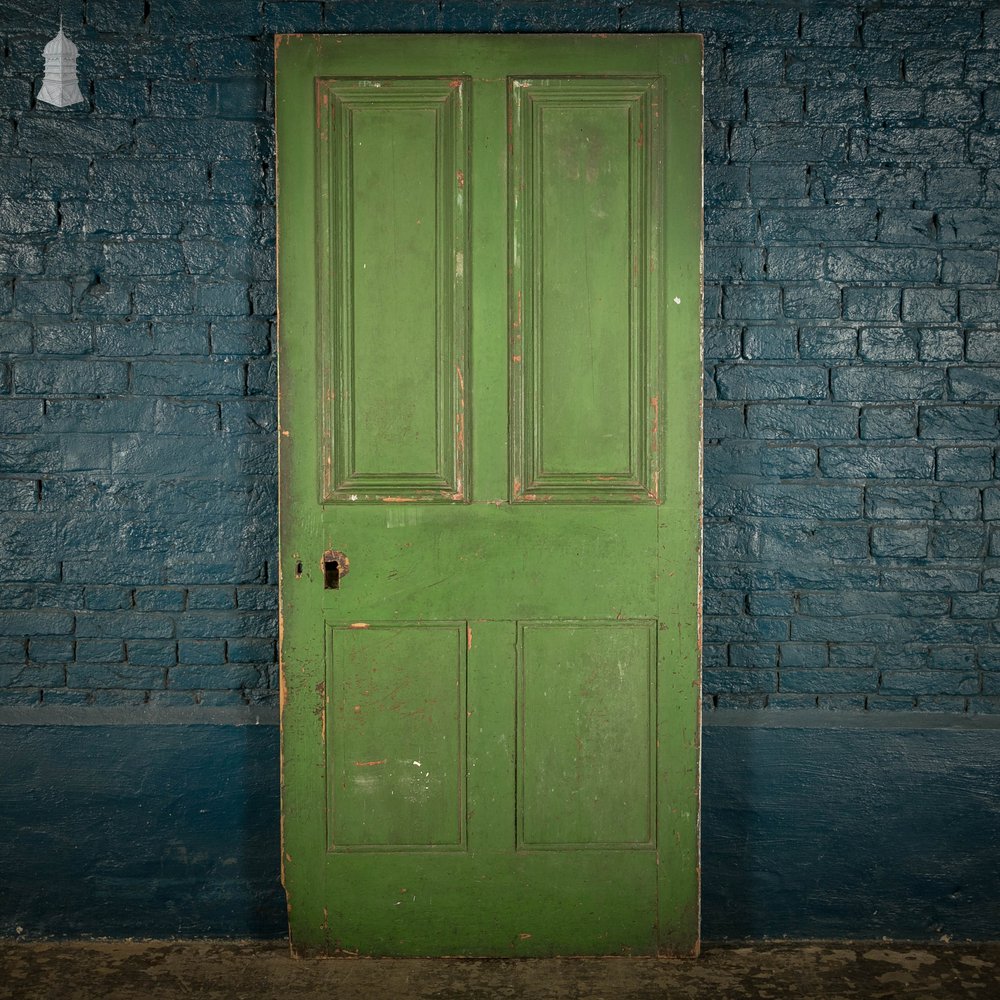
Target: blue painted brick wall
<point>852,342</point>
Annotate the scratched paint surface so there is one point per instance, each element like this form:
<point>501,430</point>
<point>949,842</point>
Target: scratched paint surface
<point>490,730</point>
<point>396,735</point>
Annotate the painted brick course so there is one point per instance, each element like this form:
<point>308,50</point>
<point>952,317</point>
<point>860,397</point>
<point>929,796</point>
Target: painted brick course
<point>852,344</point>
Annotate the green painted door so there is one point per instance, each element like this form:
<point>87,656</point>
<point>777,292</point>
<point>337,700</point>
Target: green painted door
<point>489,300</point>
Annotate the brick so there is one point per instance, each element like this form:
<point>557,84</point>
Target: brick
<point>900,543</point>
<point>725,182</point>
<point>775,104</point>
<point>954,186</point>
<point>799,500</point>
<point>751,302</point>
<point>257,598</point>
<point>959,541</point>
<point>193,676</point>
<point>121,97</point>
<point>143,257</point>
<point>873,305</point>
<point>930,305</point>
<point>981,68</point>
<point>63,338</point>
<point>838,681</point>
<point>804,654</point>
<point>96,135</point>
<point>123,624</point>
<point>647,15</point>
<point>723,421</point>
<point>839,65</point>
<point>100,651</point>
<point>114,675</point>
<point>929,682</point>
<point>976,227</point>
<point>34,676</point>
<point>974,384</point>
<point>42,650</point>
<point>151,652</point>
<point>35,623</point>
<point>211,598</point>
<point>293,16</point>
<point>804,422</point>
<point>725,104</point>
<point>951,106</point>
<point>816,300</point>
<point>888,422</point>
<point>27,218</point>
<point>976,606</point>
<point>932,579</point>
<point>79,377</point>
<point>176,418</point>
<point>828,343</point>
<point>942,345</point>
<point>909,227</point>
<point>770,342</point>
<point>179,336</point>
<point>934,66</point>
<point>730,225</point>
<point>159,599</point>
<point>980,305</point>
<point>747,381</point>
<point>43,296</point>
<point>148,179</point>
<point>250,651</point>
<point>884,384</point>
<point>251,416</point>
<point>734,681</point>
<point>188,378</point>
<point>983,345</point>
<point>793,264</point>
<point>734,264</point>
<point>876,263</point>
<point>787,143</point>
<point>888,344</point>
<point>908,145</point>
<point>240,337</point>
<point>964,465</point>
<point>197,137</point>
<point>819,224</point>
<point>896,104</point>
<point>723,340</point>
<point>20,416</point>
<point>834,105</point>
<point>959,422</point>
<point>751,63</point>
<point>199,652</point>
<point>877,462</point>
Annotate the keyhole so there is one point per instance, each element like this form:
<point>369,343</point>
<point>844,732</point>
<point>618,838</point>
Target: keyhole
<point>335,568</point>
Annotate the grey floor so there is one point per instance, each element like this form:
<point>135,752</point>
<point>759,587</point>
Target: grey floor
<point>256,971</point>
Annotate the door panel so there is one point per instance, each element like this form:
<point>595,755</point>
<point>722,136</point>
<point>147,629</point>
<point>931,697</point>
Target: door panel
<point>396,741</point>
<point>489,386</point>
<point>586,753</point>
<point>393,243</point>
<point>585,239</point>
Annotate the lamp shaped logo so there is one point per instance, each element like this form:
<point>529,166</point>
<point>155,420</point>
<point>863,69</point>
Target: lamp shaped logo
<point>60,85</point>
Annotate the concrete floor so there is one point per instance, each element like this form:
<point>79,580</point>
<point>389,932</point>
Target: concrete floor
<point>229,970</point>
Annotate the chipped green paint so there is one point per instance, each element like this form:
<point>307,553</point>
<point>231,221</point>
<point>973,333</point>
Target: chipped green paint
<point>489,299</point>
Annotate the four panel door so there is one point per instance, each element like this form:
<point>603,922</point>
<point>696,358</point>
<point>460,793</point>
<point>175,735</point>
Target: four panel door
<point>489,389</point>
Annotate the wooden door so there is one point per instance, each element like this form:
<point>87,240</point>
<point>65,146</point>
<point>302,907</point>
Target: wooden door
<point>489,383</point>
